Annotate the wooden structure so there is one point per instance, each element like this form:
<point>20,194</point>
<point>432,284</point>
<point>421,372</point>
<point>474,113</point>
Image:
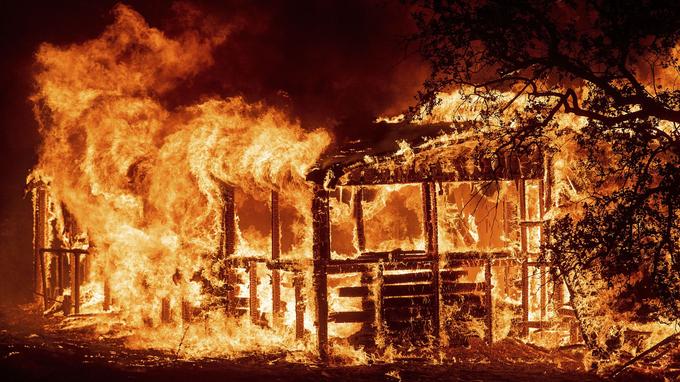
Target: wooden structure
<point>236,305</point>
<point>427,280</point>
<point>405,293</point>
<point>57,267</point>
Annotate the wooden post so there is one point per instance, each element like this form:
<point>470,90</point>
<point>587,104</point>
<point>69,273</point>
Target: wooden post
<point>488,302</point>
<point>322,254</point>
<point>254,305</point>
<point>429,197</point>
<point>106,305</point>
<point>524,250</point>
<point>359,218</point>
<point>379,312</point>
<point>66,305</point>
<point>298,284</point>
<point>525,298</point>
<point>549,179</point>
<point>542,296</point>
<point>276,254</point>
<point>523,216</point>
<point>43,278</point>
<point>543,292</point>
<point>40,241</point>
<point>75,282</point>
<point>165,310</point>
<point>186,311</point>
<point>59,275</point>
<point>228,244</point>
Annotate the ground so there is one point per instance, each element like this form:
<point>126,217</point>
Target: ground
<point>29,351</point>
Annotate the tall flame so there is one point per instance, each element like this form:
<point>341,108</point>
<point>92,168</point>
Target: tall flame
<point>139,177</point>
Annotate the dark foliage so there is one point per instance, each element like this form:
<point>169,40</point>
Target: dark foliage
<point>612,63</point>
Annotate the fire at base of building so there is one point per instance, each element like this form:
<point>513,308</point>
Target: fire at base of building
<point>416,241</point>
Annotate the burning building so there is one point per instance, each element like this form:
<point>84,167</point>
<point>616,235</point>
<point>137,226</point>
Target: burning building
<point>415,240</point>
<point>220,223</point>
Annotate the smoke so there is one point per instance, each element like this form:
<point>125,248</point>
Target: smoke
<point>330,64</point>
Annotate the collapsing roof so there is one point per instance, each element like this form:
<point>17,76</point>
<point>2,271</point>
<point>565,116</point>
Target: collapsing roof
<point>410,153</point>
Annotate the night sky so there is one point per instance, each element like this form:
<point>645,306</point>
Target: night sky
<point>329,64</point>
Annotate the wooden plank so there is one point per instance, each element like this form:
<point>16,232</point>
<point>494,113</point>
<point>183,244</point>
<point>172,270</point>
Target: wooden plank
<point>463,299</point>
<point>459,288</point>
<point>408,313</point>
<point>451,276</point>
<point>411,260</point>
<point>424,264</point>
<point>390,302</point>
<point>64,251</point>
<point>403,278</point>
<point>352,317</point>
<point>420,277</point>
<point>393,255</point>
<point>334,269</point>
<point>410,329</point>
<point>408,290</point>
<point>354,291</point>
<point>479,256</point>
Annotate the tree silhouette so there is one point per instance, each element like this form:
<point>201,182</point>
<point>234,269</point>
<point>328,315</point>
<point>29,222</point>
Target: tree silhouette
<point>612,67</point>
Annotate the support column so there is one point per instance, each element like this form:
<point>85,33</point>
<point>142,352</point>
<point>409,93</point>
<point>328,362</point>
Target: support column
<point>430,219</point>
<point>165,310</point>
<point>106,305</point>
<point>298,284</point>
<point>321,253</point>
<point>276,254</point>
<point>379,312</point>
<point>523,216</point>
<point>525,298</point>
<point>40,241</point>
<point>488,298</point>
<point>524,251</point>
<point>359,217</point>
<point>542,297</point>
<point>187,313</point>
<point>254,304</point>
<point>75,282</point>
<point>228,245</point>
